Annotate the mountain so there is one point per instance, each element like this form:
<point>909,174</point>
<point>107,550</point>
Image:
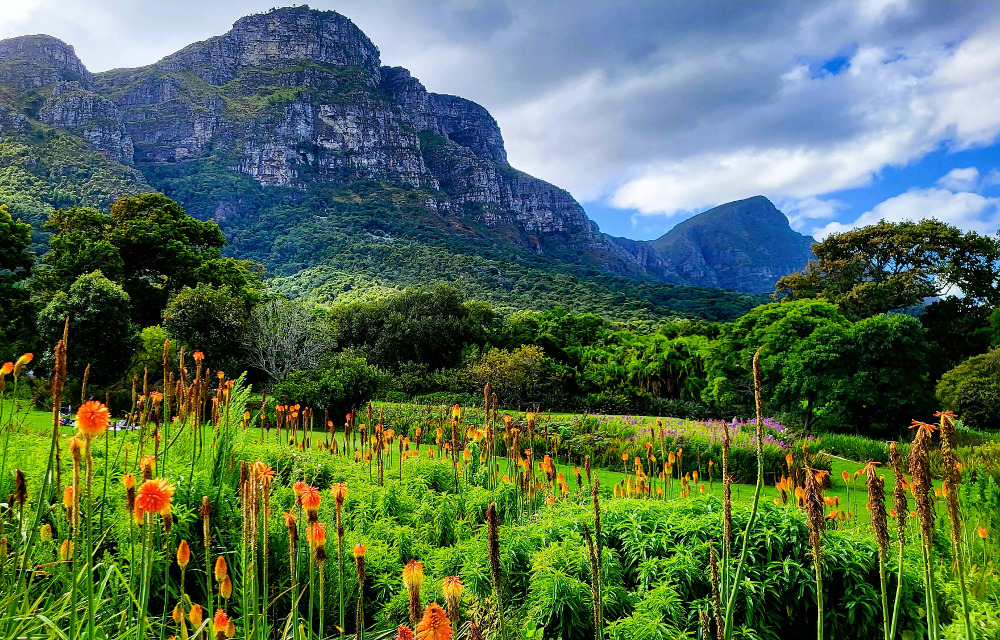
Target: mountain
<point>744,245</point>
<point>61,143</point>
<point>339,174</point>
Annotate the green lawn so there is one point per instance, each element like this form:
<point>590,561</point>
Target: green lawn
<point>30,445</point>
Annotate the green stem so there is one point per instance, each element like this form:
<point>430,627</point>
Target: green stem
<point>899,593</point>
<point>929,593</point>
<point>965,594</point>
<point>340,584</point>
<point>819,601</point>
<point>104,491</point>
<point>90,541</point>
<point>731,601</point>
<point>885,597</point>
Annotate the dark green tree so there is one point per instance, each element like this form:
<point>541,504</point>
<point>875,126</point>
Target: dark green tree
<point>243,277</point>
<point>149,245</point>
<point>101,333</point>
<point>161,249</point>
<point>785,331</point>
<point>887,384</point>
<point>344,383</point>
<point>972,390</point>
<point>429,326</point>
<point>894,265</point>
<point>79,245</point>
<point>16,262</point>
<point>211,320</point>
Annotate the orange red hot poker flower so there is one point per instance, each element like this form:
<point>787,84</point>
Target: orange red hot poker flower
<point>434,625</point>
<point>92,419</point>
<point>310,498</point>
<point>154,495</point>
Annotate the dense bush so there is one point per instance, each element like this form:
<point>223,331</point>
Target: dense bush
<point>211,320</point>
<point>972,390</point>
<point>429,326</point>
<point>342,384</point>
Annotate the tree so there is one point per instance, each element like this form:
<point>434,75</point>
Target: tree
<point>888,384</point>
<point>655,364</point>
<point>284,336</point>
<point>243,277</point>
<point>866,376</point>
<point>16,262</point>
<point>79,245</point>
<point>514,375</point>
<point>785,330</point>
<point>889,266</point>
<point>100,331</point>
<point>972,390</point>
<point>161,248</point>
<point>211,320</point>
<point>147,244</point>
<point>562,335</point>
<point>429,326</point>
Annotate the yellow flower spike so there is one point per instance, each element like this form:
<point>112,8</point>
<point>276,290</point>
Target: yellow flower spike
<point>23,360</point>
<point>183,554</point>
<point>195,615</point>
<point>221,570</point>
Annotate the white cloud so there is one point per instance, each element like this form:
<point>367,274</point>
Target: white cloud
<point>991,179</point>
<point>804,212</point>
<point>901,111</point>
<point>966,179</point>
<point>968,211</point>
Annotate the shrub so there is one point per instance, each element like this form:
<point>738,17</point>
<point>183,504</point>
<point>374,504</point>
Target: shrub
<point>345,383</point>
<point>101,332</point>
<point>211,320</point>
<point>972,390</point>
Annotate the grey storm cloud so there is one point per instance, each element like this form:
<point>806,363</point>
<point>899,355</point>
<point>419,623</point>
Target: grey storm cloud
<point>656,106</point>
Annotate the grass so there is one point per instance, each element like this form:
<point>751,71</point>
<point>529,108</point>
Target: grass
<point>32,447</point>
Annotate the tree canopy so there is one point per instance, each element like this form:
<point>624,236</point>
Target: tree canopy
<point>431,326</point>
<point>147,243</point>
<point>16,262</point>
<point>101,333</point>
<point>894,265</point>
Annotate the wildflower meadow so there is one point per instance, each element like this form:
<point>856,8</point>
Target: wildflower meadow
<point>209,512</point>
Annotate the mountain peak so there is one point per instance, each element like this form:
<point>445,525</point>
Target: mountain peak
<point>277,37</point>
<point>744,245</point>
<point>753,210</point>
<point>30,62</point>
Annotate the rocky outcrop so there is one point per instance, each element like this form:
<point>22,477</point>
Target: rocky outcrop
<point>462,121</point>
<point>89,115</point>
<point>12,122</point>
<point>36,62</point>
<point>744,245</point>
<point>275,38</point>
<point>53,86</point>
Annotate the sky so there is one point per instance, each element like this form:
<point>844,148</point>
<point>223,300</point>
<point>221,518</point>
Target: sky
<point>841,112</point>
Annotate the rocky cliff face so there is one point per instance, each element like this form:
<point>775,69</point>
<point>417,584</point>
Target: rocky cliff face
<point>297,100</point>
<point>294,97</point>
<point>51,83</point>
